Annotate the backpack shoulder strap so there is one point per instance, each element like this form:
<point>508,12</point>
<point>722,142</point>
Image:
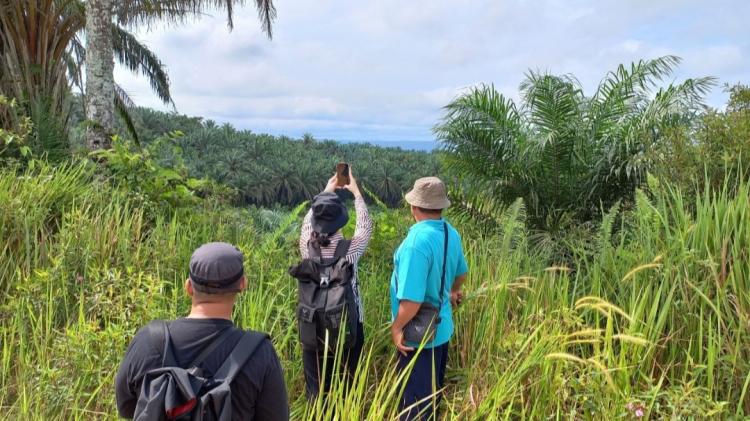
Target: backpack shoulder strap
<point>314,252</point>
<point>212,347</point>
<point>158,331</point>
<point>342,248</point>
<point>239,355</point>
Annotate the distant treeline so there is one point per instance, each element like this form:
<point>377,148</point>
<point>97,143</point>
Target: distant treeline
<point>271,170</point>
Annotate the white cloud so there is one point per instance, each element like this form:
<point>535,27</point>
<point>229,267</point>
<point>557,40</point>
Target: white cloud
<point>631,45</point>
<point>384,70</point>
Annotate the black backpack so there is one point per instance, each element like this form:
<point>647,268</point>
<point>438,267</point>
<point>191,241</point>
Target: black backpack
<point>175,393</point>
<point>326,304</point>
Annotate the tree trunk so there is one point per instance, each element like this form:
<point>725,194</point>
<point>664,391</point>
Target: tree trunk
<point>100,64</point>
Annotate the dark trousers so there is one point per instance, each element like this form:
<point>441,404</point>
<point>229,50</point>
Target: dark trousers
<point>427,376</point>
<point>313,362</point>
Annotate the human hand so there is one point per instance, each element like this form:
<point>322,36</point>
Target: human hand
<point>353,186</point>
<point>331,186</point>
<point>397,336</point>
<point>456,298</point>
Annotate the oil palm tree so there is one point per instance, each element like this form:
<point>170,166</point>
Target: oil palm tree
<point>385,181</point>
<point>43,53</point>
<point>39,54</point>
<point>560,150</point>
<point>100,15</point>
<point>43,56</point>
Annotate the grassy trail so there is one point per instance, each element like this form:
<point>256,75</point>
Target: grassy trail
<point>651,315</point>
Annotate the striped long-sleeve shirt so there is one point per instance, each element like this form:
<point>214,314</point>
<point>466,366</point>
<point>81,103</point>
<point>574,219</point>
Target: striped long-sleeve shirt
<point>362,234</point>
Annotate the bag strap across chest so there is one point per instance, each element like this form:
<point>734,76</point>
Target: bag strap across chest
<point>238,357</point>
<point>441,292</point>
<point>232,364</point>
<point>445,262</point>
<point>315,253</point>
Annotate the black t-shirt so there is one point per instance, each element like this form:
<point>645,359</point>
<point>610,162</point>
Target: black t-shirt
<point>258,391</point>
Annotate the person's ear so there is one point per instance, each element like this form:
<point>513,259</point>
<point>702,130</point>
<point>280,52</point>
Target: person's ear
<point>243,283</point>
<point>189,287</point>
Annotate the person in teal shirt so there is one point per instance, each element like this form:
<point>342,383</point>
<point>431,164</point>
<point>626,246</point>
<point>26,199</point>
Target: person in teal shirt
<point>416,279</point>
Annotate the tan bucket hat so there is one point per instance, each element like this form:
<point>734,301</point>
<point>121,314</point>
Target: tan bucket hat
<point>428,193</point>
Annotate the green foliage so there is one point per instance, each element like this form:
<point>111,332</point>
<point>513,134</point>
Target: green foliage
<point>649,315</point>
<point>566,154</point>
<point>739,98</point>
<point>723,139</point>
<point>14,132</point>
<point>149,183</point>
<point>714,148</point>
<point>49,137</point>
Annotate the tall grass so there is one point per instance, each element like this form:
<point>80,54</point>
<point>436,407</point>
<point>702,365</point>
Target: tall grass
<point>651,315</point>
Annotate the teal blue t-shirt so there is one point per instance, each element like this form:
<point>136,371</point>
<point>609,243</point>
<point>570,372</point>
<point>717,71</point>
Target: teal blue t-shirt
<point>417,266</point>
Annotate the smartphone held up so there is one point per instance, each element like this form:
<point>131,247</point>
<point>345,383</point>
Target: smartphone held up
<point>342,174</point>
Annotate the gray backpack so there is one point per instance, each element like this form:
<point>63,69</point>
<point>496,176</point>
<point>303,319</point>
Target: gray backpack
<point>326,309</point>
<point>175,393</point>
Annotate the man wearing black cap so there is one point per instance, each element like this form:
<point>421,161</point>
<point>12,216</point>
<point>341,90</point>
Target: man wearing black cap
<point>216,277</point>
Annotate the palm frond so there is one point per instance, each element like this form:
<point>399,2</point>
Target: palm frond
<point>137,57</point>
<point>554,107</point>
<point>623,91</point>
<point>75,60</point>
<point>642,75</point>
<point>484,125</point>
<point>149,12</point>
<point>123,105</point>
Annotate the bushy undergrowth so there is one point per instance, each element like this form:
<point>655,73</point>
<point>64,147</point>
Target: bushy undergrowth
<point>649,316</point>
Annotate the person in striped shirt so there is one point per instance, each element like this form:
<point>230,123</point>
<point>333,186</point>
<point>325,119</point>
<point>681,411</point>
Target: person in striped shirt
<point>326,231</point>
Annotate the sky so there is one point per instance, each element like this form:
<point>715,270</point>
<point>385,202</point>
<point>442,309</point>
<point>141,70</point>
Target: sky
<point>381,70</point>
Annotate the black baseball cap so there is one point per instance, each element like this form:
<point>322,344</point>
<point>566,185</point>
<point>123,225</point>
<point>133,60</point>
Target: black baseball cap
<point>328,213</point>
<point>216,268</point>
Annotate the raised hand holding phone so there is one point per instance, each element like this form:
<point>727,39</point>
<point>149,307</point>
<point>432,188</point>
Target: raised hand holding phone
<point>352,185</point>
<point>332,184</point>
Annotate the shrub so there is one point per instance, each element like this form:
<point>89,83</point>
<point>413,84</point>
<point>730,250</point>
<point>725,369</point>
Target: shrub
<point>565,153</point>
<point>147,182</point>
